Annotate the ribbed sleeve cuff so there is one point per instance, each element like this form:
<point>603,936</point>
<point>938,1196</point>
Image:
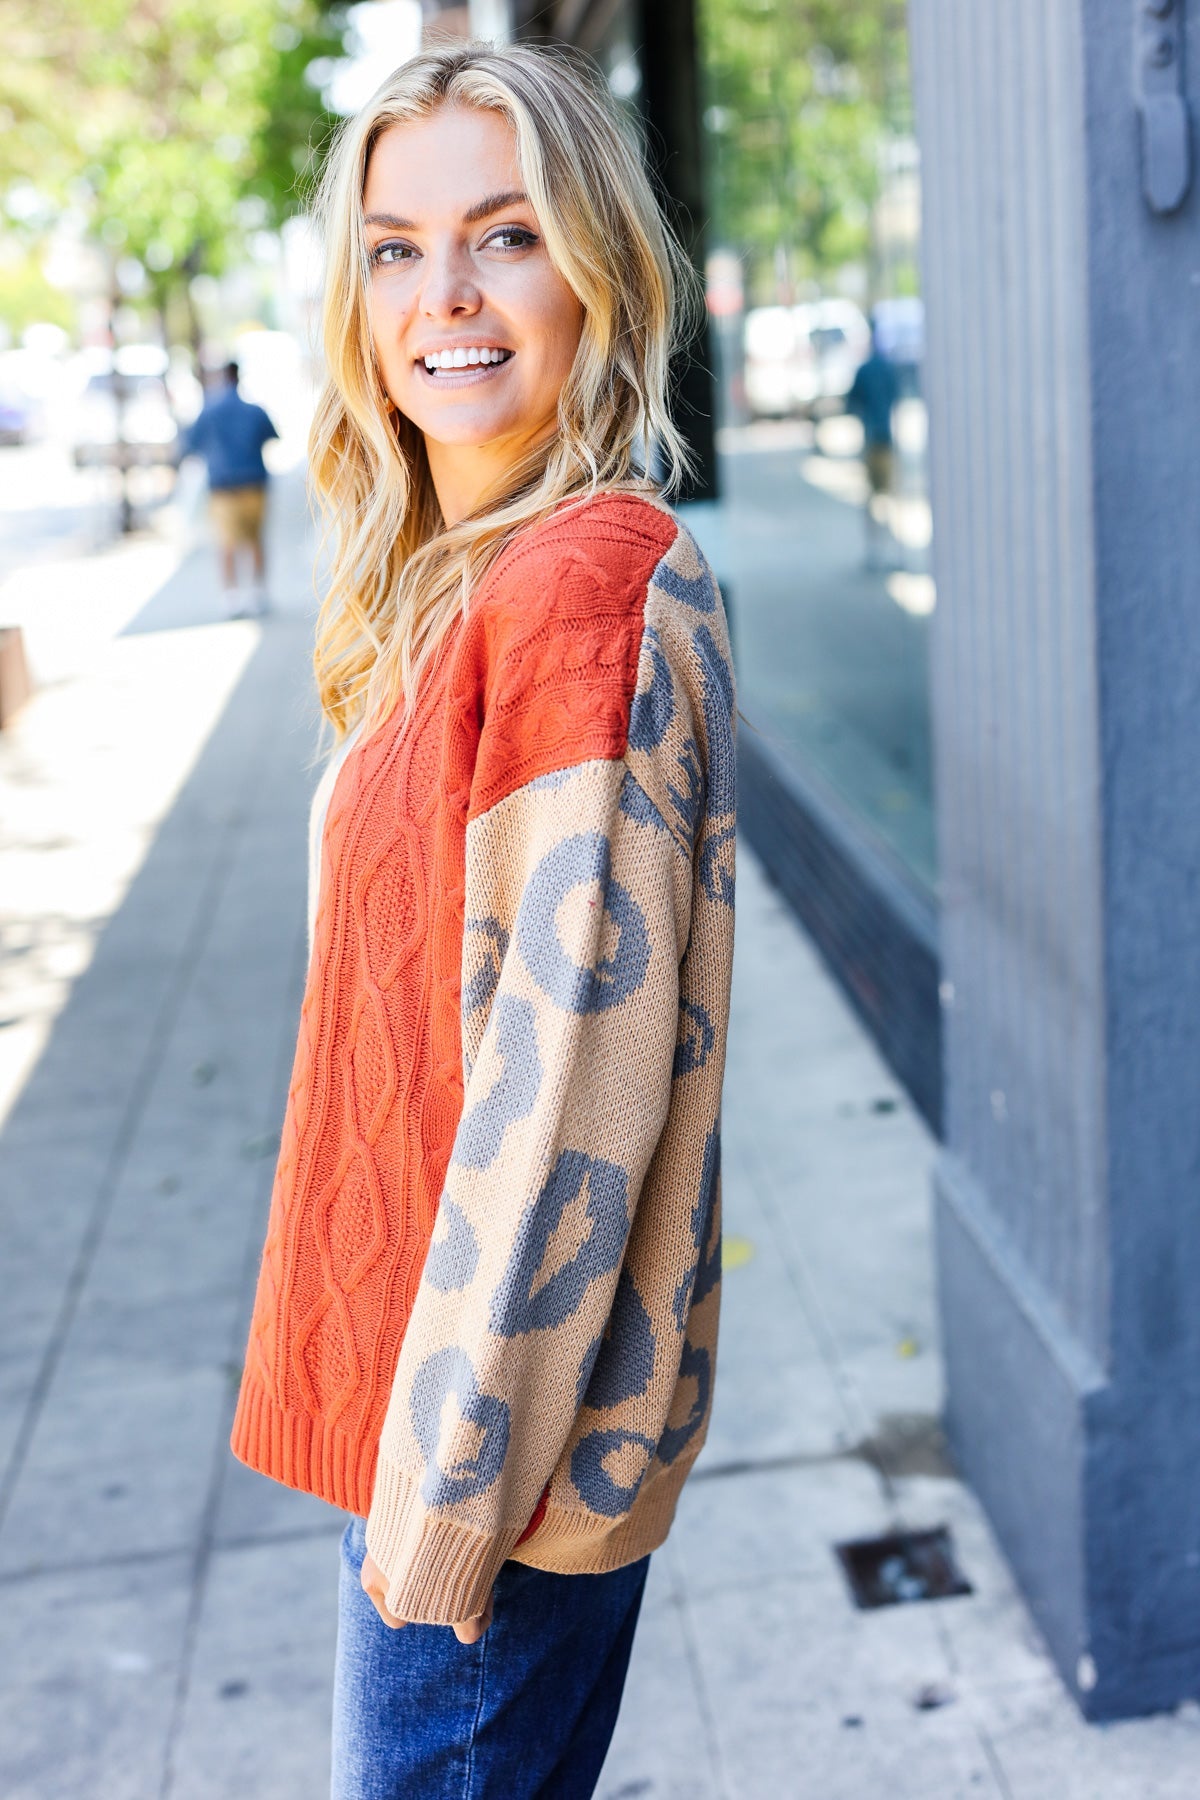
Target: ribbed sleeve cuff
<point>439,1572</point>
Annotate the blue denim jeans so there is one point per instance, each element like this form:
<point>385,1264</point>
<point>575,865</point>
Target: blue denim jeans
<point>525,1714</point>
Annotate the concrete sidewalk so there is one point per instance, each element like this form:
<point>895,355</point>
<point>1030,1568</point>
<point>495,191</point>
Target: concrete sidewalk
<point>167,1617</point>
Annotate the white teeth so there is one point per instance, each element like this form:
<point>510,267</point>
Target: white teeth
<point>463,358</point>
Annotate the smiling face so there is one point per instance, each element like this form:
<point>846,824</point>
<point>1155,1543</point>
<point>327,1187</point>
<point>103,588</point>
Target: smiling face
<point>474,329</point>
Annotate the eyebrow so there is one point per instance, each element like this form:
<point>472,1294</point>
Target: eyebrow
<point>482,209</point>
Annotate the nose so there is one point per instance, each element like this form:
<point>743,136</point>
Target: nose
<point>448,286</point>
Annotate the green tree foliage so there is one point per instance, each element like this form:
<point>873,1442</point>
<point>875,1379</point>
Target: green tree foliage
<point>26,296</point>
<point>801,95</point>
<point>152,119</point>
<point>295,130</point>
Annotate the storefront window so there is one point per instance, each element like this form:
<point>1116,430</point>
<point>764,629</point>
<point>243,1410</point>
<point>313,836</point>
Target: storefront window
<point>818,332</point>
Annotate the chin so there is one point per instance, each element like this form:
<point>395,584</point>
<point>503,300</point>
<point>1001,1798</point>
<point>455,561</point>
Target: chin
<point>465,433</point>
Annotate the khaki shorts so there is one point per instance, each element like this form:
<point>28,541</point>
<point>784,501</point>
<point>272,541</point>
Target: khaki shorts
<point>237,515</point>
<point>879,468</point>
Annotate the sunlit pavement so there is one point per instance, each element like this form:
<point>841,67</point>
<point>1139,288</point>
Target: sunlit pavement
<point>48,507</point>
<point>167,1624</point>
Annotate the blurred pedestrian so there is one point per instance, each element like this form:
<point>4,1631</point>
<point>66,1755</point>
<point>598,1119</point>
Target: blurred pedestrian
<point>229,434</point>
<point>872,397</point>
<point>485,1322</point>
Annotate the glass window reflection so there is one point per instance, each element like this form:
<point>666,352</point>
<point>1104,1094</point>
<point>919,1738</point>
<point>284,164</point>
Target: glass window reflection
<point>818,328</point>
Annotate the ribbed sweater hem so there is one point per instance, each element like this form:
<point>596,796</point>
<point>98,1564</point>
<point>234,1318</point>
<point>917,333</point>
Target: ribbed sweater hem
<point>451,1565</point>
<point>448,1569</point>
<point>581,1543</point>
<point>302,1452</point>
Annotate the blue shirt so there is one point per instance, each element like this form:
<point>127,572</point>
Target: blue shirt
<point>874,393</point>
<point>229,434</point>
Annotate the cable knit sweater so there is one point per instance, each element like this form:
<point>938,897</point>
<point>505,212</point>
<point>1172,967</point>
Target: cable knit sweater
<point>486,1314</point>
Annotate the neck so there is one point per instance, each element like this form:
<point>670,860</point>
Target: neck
<point>460,478</point>
<point>464,474</point>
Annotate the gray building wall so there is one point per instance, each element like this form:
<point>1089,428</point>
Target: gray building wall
<point>1064,387</point>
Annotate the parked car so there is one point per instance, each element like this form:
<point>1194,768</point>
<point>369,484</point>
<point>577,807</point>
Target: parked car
<point>771,350</point>
<point>124,416</point>
<point>801,359</point>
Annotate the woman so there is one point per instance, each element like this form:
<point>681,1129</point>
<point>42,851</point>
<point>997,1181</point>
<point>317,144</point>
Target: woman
<point>486,1315</point>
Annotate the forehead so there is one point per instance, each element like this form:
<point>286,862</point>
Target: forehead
<point>437,167</point>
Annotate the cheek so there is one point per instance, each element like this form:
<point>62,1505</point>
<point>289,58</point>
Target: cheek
<point>384,316</point>
<point>563,318</point>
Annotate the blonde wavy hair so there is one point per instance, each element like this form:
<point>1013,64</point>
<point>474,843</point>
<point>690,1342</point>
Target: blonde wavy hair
<point>398,575</point>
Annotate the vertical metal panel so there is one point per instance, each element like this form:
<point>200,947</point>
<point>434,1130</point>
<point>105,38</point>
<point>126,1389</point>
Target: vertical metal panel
<point>1064,381</point>
<point>999,90</point>
<point>1145,359</point>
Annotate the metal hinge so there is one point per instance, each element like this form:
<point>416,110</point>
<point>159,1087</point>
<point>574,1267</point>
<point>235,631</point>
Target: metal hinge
<point>1158,31</point>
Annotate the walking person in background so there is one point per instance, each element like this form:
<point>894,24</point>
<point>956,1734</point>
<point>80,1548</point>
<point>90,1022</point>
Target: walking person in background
<point>873,395</point>
<point>229,434</point>
<point>486,1314</point>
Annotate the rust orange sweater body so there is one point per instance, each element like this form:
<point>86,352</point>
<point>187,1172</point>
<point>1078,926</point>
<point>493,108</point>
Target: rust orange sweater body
<point>486,1310</point>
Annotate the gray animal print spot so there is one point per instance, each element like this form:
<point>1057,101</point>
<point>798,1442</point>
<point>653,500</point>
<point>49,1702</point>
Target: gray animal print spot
<point>449,1372</point>
<point>688,798</point>
<point>653,709</point>
<point>571,864</point>
<point>717,695</point>
<point>637,805</point>
<point>481,1129</point>
<point>705,1272</point>
<point>480,988</point>
<point>696,1038</point>
<point>619,1365</point>
<point>596,1487</point>
<point>716,878</point>
<point>521,1302</point>
<point>695,1364</point>
<point>696,591</point>
<point>454,1256</point>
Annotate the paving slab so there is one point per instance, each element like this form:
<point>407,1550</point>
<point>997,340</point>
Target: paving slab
<point>255,1720</point>
<point>737,1534</point>
<point>251,1510</point>
<point>814,1698</point>
<point>1048,1753</point>
<point>119,1466</point>
<point>775,1395</point>
<point>679,1758</point>
<point>90,1662</point>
